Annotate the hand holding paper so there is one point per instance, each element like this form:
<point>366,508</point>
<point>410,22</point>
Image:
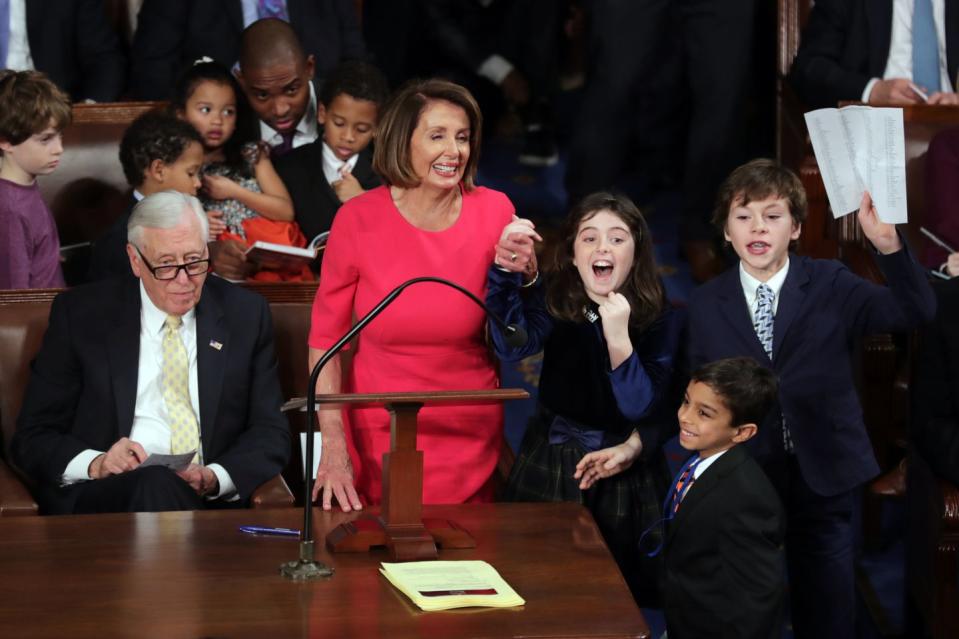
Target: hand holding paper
<point>861,149</point>
<point>883,236</point>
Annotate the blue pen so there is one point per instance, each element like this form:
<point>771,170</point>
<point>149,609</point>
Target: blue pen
<point>276,532</point>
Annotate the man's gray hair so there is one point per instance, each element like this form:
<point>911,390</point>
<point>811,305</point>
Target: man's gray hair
<point>164,210</point>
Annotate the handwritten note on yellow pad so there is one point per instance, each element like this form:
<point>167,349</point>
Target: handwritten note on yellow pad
<point>441,585</point>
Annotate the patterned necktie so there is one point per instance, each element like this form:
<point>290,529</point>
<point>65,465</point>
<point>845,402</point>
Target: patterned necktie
<point>4,32</point>
<point>763,325</point>
<point>763,321</point>
<point>682,484</point>
<point>175,384</point>
<point>272,9</point>
<point>925,47</point>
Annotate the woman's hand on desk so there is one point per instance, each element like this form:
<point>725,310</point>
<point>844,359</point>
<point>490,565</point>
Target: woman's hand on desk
<point>334,476</point>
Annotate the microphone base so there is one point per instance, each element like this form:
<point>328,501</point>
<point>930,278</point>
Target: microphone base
<point>305,568</point>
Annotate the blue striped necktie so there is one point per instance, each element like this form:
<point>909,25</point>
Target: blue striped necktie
<point>925,47</point>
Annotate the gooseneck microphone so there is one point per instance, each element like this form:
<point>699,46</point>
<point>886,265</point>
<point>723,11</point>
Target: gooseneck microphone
<point>306,567</point>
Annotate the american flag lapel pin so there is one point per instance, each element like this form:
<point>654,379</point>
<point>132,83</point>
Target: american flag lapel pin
<point>215,344</point>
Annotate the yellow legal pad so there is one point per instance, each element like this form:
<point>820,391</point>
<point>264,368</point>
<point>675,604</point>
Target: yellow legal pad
<point>441,585</point>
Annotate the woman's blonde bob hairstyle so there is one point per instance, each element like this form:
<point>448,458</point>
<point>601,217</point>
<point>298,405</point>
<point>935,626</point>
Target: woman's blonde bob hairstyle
<point>391,157</point>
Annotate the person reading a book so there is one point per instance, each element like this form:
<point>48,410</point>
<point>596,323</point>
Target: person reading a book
<point>242,193</point>
<point>429,219</point>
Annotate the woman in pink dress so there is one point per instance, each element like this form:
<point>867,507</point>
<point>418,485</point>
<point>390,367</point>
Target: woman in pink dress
<point>429,219</point>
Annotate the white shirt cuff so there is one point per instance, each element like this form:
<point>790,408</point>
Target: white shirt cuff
<point>79,467</point>
<point>868,89</point>
<point>495,69</point>
<point>227,488</point>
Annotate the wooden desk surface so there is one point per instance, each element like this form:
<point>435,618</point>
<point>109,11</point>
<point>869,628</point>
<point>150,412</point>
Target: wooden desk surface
<point>195,575</point>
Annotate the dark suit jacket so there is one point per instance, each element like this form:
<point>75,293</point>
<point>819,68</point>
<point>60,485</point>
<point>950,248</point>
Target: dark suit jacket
<point>171,34</point>
<point>83,382</point>
<point>935,424</point>
<point>72,42</point>
<point>823,308</point>
<point>314,200</point>
<point>723,574</point>
<point>846,43</point>
<point>108,256</point>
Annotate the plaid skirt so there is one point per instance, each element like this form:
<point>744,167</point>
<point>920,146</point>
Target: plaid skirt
<point>624,505</point>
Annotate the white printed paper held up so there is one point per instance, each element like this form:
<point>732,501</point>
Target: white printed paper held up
<point>861,148</point>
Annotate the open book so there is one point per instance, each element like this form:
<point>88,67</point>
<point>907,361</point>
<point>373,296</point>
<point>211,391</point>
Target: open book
<point>861,148</point>
<point>441,585</point>
<point>279,256</point>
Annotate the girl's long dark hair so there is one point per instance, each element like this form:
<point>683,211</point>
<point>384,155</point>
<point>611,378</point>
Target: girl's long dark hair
<point>565,293</point>
<point>246,129</point>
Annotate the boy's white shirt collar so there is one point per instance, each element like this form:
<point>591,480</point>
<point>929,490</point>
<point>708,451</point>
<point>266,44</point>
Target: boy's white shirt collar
<point>706,463</point>
<point>306,128</point>
<point>332,164</point>
<point>750,284</point>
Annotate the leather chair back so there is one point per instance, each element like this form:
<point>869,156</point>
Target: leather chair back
<point>22,327</point>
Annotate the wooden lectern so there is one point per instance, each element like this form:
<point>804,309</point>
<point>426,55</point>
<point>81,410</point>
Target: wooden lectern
<point>400,526</point>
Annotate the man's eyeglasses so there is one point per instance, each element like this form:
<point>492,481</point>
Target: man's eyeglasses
<point>170,271</point>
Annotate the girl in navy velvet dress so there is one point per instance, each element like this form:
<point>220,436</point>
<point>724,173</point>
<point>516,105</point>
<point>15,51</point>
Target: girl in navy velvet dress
<point>609,341</point>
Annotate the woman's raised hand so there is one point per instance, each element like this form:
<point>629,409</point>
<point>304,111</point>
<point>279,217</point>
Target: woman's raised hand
<point>515,250</point>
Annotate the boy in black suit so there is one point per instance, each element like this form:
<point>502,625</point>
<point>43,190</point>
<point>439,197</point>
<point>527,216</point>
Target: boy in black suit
<point>724,523</point>
<point>349,107</point>
<point>723,550</point>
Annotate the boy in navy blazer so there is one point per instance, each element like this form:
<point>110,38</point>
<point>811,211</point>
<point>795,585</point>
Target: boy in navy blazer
<point>801,317</point>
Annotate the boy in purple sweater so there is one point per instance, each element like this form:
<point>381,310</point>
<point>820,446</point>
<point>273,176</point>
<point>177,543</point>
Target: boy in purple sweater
<point>33,112</point>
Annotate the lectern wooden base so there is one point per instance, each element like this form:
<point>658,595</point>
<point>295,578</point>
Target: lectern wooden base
<point>400,526</point>
<point>405,543</point>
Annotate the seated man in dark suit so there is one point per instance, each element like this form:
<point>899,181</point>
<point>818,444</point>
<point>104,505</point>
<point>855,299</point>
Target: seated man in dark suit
<point>171,34</point>
<point>69,40</point>
<point>935,424</point>
<point>878,53</point>
<point>169,362</point>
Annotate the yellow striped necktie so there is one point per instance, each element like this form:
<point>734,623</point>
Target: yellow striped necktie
<point>175,384</point>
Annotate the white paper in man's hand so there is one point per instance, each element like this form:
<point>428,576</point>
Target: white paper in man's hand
<point>861,148</point>
<point>173,462</point>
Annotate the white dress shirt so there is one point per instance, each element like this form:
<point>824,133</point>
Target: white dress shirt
<point>306,130</point>
<point>332,165</point>
<point>18,48</point>
<point>151,427</point>
<point>750,285</point>
<point>706,463</point>
<point>899,63</point>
